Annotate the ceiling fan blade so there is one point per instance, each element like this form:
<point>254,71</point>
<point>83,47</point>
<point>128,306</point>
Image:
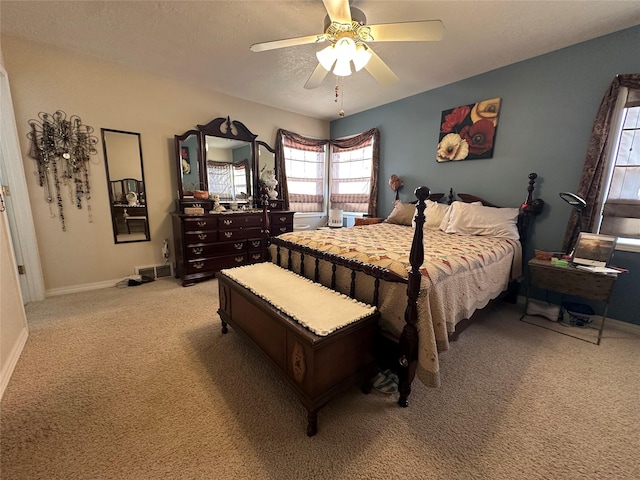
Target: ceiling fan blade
<point>338,10</point>
<point>425,31</point>
<point>316,78</point>
<point>287,42</point>
<point>380,71</point>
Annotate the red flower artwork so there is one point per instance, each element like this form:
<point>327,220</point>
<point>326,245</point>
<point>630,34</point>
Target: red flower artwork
<point>455,118</point>
<point>468,132</point>
<point>479,136</point>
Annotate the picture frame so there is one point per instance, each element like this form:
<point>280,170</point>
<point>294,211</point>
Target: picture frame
<point>468,132</point>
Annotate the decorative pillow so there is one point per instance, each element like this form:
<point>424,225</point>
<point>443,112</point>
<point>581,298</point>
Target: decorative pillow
<point>470,219</point>
<point>444,223</point>
<point>402,213</point>
<point>435,212</point>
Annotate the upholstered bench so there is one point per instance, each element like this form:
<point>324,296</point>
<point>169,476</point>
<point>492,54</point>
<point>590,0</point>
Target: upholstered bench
<point>319,341</point>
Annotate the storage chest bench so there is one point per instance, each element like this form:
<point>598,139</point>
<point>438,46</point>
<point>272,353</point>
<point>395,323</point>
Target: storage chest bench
<point>319,341</point>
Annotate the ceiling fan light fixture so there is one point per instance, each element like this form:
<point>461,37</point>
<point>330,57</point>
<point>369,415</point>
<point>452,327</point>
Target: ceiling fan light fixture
<point>343,67</point>
<point>361,57</point>
<point>327,57</point>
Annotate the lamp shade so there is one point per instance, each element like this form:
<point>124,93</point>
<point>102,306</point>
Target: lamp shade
<point>327,57</point>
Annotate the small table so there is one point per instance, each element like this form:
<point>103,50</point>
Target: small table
<point>570,280</point>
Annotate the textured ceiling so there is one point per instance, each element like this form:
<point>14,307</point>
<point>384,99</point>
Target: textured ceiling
<point>206,43</point>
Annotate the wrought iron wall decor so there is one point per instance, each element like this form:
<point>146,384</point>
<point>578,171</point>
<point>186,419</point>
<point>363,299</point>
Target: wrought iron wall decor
<point>61,149</point>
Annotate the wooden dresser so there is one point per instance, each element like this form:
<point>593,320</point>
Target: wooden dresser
<point>205,244</point>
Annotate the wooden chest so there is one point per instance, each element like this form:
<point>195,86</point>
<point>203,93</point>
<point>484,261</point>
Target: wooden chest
<point>315,367</point>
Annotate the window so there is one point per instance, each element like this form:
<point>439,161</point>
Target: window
<point>319,175</point>
<point>351,175</point>
<point>305,168</point>
<point>621,201</point>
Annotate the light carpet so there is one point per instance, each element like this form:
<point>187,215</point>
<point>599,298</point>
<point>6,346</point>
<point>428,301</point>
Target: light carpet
<point>140,383</point>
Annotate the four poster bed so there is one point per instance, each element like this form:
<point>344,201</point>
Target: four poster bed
<point>425,279</point>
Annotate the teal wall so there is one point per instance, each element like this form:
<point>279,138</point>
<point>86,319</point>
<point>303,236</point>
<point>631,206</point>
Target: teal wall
<point>548,107</point>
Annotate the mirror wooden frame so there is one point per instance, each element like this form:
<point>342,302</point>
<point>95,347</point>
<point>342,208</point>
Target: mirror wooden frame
<point>222,127</point>
<point>126,212</point>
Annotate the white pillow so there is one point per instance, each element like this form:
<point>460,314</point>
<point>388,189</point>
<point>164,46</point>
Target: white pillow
<point>444,223</point>
<point>470,219</point>
<point>434,212</point>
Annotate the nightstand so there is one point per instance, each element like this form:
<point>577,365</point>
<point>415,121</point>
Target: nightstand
<point>570,280</point>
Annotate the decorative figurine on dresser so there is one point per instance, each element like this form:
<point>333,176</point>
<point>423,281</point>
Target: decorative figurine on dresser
<point>224,230</point>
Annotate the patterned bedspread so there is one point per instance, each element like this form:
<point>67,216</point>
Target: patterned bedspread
<point>388,245</point>
<point>460,274</point>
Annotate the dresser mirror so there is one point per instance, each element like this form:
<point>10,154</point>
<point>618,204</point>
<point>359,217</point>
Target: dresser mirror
<point>266,157</point>
<point>125,181</point>
<point>188,155</point>
<point>221,162</point>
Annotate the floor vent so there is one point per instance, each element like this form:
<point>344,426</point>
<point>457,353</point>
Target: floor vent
<point>155,271</point>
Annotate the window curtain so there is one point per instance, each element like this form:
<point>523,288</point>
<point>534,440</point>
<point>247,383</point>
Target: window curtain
<point>297,141</point>
<point>354,203</point>
<point>590,187</point>
<point>305,203</point>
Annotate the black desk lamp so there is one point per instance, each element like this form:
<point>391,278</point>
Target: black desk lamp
<point>579,205</point>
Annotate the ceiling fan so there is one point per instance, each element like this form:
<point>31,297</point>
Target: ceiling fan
<point>349,37</point>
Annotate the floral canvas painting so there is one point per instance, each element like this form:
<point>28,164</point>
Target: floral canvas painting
<point>468,132</point>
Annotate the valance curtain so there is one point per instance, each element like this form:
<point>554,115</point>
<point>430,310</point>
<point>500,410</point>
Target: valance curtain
<point>590,187</point>
<point>305,143</point>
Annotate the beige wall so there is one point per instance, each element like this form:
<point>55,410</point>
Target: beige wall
<point>104,95</point>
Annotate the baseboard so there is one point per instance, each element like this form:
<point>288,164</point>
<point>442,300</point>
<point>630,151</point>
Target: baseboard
<point>12,360</point>
<point>90,286</point>
<point>612,322</point>
<point>82,288</point>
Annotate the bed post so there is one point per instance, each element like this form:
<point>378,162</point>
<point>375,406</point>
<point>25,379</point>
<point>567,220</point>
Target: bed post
<point>408,355</point>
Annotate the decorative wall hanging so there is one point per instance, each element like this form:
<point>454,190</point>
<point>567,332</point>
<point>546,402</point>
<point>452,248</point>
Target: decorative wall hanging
<point>468,132</point>
<point>61,149</point>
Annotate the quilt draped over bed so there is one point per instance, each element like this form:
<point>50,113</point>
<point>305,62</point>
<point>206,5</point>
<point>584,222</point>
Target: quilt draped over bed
<point>460,274</point>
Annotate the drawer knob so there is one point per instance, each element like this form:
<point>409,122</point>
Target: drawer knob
<point>228,234</point>
<point>239,259</point>
<point>228,222</point>
<point>282,219</point>
<point>198,265</point>
<point>202,224</point>
<point>197,250</point>
<point>255,244</point>
<point>238,246</point>
<point>256,256</point>
<point>283,229</point>
<point>202,236</point>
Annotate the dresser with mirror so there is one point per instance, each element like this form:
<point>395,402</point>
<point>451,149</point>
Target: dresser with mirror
<point>219,219</point>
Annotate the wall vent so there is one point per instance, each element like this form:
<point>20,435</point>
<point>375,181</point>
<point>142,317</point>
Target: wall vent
<point>155,271</point>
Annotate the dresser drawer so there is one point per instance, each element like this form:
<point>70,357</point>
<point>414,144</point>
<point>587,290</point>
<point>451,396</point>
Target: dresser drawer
<point>198,224</point>
<point>216,263</point>
<point>278,229</point>
<point>227,222</point>
<point>215,249</point>
<point>239,234</point>
<point>256,243</point>
<point>282,218</point>
<point>194,238</point>
<point>256,256</point>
